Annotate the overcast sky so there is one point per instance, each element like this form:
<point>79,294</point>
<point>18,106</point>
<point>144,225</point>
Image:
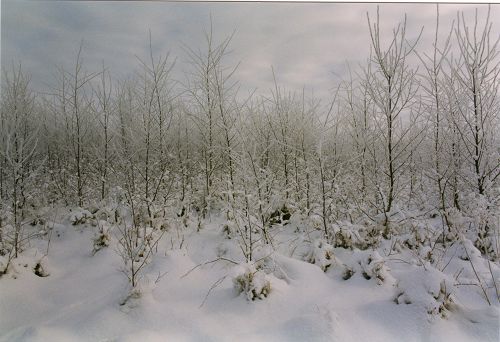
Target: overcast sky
<point>307,44</point>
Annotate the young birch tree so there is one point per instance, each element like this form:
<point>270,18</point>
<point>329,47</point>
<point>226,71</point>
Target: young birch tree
<point>19,149</point>
<point>476,72</point>
<point>434,96</point>
<point>392,88</point>
<point>104,111</point>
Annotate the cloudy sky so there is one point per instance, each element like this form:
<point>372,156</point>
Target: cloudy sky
<point>307,44</point>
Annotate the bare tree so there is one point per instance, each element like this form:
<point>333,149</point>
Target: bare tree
<point>359,107</point>
<point>327,172</point>
<point>75,100</point>
<point>434,67</point>
<point>211,92</point>
<point>476,72</point>
<point>19,149</point>
<point>104,113</point>
<point>155,108</point>
<point>392,88</point>
<point>279,119</point>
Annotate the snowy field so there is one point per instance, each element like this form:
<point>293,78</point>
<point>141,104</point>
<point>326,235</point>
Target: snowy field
<point>247,172</point>
<point>364,295</point>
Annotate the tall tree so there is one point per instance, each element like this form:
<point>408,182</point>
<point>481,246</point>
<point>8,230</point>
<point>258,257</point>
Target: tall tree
<point>392,88</point>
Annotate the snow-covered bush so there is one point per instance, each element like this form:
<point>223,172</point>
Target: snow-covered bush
<point>418,238</point>
<point>104,214</point>
<point>320,254</point>
<point>444,301</point>
<point>343,239</point>
<point>141,216</point>
<point>252,282</point>
<point>80,216</point>
<point>480,210</point>
<point>100,241</point>
<point>136,247</point>
<point>374,267</point>
<point>297,219</point>
<point>455,219</point>
<point>281,215</point>
<point>485,243</point>
<point>40,268</point>
<point>426,253</point>
<point>14,238</point>
<point>467,250</point>
<point>485,218</point>
<point>370,236</point>
<point>347,236</point>
<point>228,230</point>
<point>479,219</point>
<point>268,262</point>
<point>348,273</point>
<point>103,237</point>
<point>428,289</point>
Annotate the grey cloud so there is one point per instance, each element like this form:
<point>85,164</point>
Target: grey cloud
<point>307,44</point>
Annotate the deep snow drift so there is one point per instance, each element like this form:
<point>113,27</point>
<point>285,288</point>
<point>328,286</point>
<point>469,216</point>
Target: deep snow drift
<point>301,288</point>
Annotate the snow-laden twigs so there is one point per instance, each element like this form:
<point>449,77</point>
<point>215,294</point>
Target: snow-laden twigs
<point>135,252</point>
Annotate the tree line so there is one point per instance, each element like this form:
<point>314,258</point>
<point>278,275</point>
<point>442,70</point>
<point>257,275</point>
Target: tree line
<point>396,137</point>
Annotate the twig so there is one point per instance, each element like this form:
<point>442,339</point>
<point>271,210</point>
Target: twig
<point>50,233</point>
<point>401,260</point>
<point>457,275</point>
<point>456,249</point>
<point>214,285</point>
<point>160,275</point>
<point>264,257</point>
<point>477,276</point>
<point>206,263</point>
<point>494,282</point>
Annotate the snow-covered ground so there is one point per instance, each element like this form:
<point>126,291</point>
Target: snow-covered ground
<point>387,294</point>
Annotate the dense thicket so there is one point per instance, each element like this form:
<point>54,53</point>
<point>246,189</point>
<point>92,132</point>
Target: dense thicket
<point>398,139</point>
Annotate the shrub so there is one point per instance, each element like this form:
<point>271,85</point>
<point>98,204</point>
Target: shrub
<point>80,216</point>
<point>321,254</point>
<point>40,269</point>
<point>374,267</point>
<point>252,282</point>
<point>444,303</point>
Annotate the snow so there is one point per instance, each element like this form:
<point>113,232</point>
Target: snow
<point>184,296</point>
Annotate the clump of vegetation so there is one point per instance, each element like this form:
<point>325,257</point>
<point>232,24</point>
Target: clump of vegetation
<point>374,267</point>
<point>136,246</point>
<point>444,302</point>
<point>100,241</point>
<point>40,269</point>
<point>343,239</point>
<point>280,216</point>
<point>402,298</point>
<point>103,237</point>
<point>80,216</point>
<point>252,282</point>
<point>321,254</point>
<point>348,273</point>
<point>227,231</point>
<point>370,237</point>
<point>485,244</point>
